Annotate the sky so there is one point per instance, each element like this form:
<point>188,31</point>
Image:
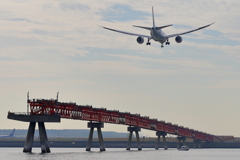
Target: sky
<point>57,45</point>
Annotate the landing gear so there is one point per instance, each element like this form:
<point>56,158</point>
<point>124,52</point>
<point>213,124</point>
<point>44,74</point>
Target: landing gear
<point>162,45</point>
<point>167,43</point>
<point>148,43</point>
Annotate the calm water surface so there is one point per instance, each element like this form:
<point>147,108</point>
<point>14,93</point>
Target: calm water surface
<point>121,154</point>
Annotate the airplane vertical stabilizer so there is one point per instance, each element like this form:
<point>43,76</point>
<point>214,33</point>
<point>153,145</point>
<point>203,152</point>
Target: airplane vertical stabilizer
<point>12,133</point>
<point>153,17</point>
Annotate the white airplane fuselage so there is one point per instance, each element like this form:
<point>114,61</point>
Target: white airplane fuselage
<point>158,35</point>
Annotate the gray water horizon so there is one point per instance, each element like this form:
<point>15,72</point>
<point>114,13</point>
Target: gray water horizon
<point>120,153</point>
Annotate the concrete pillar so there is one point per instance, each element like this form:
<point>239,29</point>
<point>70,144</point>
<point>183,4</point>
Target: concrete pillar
<point>131,130</point>
<point>208,144</point>
<point>158,142</point>
<point>184,142</point>
<point>197,142</point>
<point>89,143</point>
<point>29,139</point>
<point>100,137</point>
<point>179,141</point>
<point>129,140</point>
<point>159,134</point>
<point>138,141</point>
<point>43,138</point>
<point>179,144</point>
<point>164,142</point>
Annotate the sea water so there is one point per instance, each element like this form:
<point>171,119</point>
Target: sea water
<point>120,154</point>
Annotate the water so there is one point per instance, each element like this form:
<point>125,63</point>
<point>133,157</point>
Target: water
<point>121,154</point>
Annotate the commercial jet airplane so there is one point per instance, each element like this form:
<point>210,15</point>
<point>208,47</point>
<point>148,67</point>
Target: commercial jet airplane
<point>10,135</point>
<point>157,34</point>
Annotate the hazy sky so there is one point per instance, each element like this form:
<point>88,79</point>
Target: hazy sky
<point>52,46</point>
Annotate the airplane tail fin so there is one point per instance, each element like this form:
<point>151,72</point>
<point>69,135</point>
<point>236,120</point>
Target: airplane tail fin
<point>154,22</point>
<point>153,17</point>
<point>148,28</point>
<point>12,133</point>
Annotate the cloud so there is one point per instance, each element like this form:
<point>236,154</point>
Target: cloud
<point>120,12</point>
<point>227,84</point>
<point>175,62</point>
<point>19,19</point>
<point>221,47</point>
<point>118,68</point>
<point>73,6</point>
<point>212,33</point>
<point>12,42</point>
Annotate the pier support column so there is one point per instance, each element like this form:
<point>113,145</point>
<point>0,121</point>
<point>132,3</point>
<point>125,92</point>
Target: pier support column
<point>197,142</point>
<point>129,140</point>
<point>158,141</point>
<point>164,142</point>
<point>159,134</point>
<point>29,139</point>
<point>131,130</point>
<point>184,142</point>
<point>179,144</point>
<point>89,143</point>
<point>100,137</point>
<point>208,144</point>
<point>43,138</point>
<point>32,120</point>
<point>138,141</point>
<point>179,141</point>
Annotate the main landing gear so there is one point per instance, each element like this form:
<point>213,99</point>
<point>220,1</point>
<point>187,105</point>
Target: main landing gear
<point>148,43</point>
<point>167,43</point>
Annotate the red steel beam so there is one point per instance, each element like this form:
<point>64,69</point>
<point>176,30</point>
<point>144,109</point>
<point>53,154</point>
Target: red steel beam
<point>80,112</point>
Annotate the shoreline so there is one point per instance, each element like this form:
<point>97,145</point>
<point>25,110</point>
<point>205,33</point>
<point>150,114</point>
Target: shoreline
<point>114,144</point>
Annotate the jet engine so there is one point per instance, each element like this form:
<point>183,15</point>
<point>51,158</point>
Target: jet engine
<point>140,40</point>
<point>178,39</point>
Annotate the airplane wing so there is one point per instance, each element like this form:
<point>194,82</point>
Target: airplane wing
<point>178,34</point>
<point>133,34</point>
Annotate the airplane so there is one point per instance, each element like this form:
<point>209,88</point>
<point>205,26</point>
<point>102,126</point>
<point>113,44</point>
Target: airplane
<point>10,135</point>
<point>157,34</point>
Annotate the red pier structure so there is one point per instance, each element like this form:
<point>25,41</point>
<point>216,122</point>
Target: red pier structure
<point>53,108</point>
